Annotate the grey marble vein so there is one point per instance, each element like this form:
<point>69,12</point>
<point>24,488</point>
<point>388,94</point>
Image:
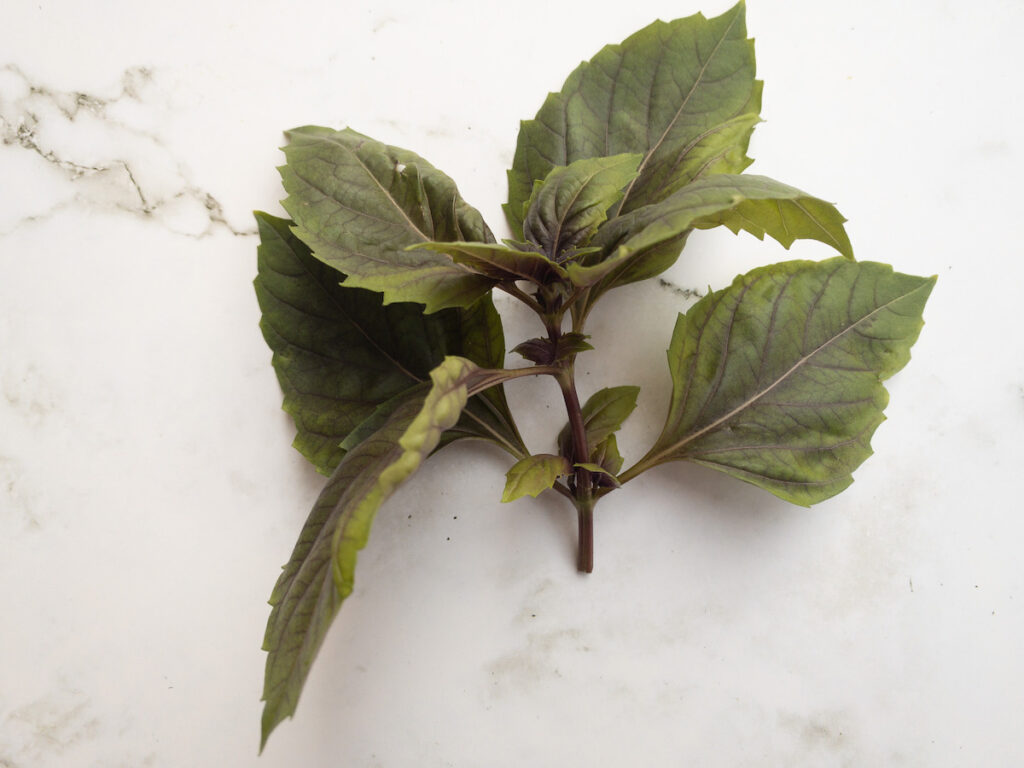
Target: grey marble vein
<point>103,160</point>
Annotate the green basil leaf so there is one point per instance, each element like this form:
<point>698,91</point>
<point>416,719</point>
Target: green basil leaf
<point>636,241</point>
<point>319,575</point>
<point>777,379</point>
<point>566,208</point>
<point>607,455</point>
<point>339,354</point>
<point>604,477</point>
<point>681,93</point>
<point>533,474</point>
<point>784,213</point>
<point>499,262</point>
<point>358,204</point>
<point>603,413</point>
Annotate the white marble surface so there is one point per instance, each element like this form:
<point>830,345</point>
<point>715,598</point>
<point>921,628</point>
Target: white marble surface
<point>148,493</point>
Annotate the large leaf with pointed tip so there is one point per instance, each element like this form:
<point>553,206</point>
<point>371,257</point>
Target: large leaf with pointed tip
<point>777,379</point>
<point>681,93</point>
<point>532,475</point>
<point>339,354</point>
<point>603,413</point>
<point>500,262</point>
<point>319,575</point>
<point>634,243</point>
<point>359,204</point>
<point>566,208</point>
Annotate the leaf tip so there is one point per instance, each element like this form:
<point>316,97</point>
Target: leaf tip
<point>271,718</point>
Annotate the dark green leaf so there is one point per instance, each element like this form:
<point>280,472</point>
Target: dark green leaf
<point>359,204</point>
<point>681,93</point>
<point>532,475</point>
<point>566,208</point>
<point>339,354</point>
<point>777,379</point>
<point>319,574</point>
<point>603,414</point>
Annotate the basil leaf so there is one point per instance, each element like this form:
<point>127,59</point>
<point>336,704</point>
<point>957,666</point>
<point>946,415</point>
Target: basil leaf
<point>566,208</point>
<point>777,379</point>
<point>647,241</point>
<point>499,262</point>
<point>545,351</point>
<point>602,475</point>
<point>339,353</point>
<point>681,93</point>
<point>534,474</point>
<point>319,575</point>
<point>603,413</point>
<point>607,455</point>
<point>358,204</point>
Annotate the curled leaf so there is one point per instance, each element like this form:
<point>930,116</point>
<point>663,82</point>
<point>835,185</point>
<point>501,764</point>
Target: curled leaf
<point>319,575</point>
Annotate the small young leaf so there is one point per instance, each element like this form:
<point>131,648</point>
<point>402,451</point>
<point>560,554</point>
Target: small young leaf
<point>319,574</point>
<point>603,414</point>
<point>534,474</point>
<point>566,208</point>
<point>358,204</point>
<point>339,354</point>
<point>681,93</point>
<point>604,476</point>
<point>777,379</point>
<point>500,262</point>
<point>607,455</point>
<point>544,351</point>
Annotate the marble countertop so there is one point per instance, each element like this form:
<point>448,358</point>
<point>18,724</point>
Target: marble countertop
<point>149,493</point>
